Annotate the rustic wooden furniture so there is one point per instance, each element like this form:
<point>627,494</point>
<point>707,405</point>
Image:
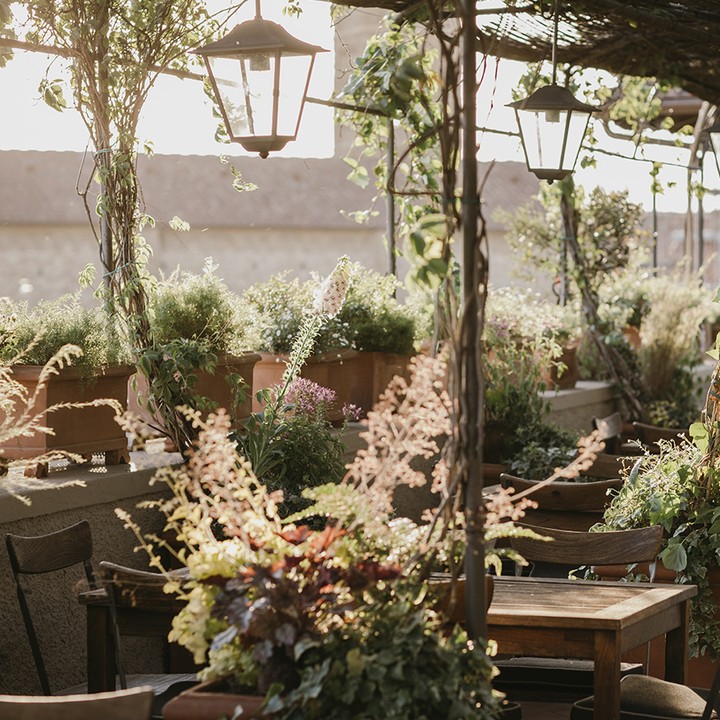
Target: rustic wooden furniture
<point>132,603</point>
<point>565,505</point>
<point>63,549</point>
<point>132,704</point>
<point>566,547</point>
<point>43,554</point>
<point>594,620</point>
<point>563,551</point>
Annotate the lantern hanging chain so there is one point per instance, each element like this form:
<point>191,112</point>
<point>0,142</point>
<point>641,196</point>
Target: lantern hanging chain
<point>257,10</point>
<point>554,42</point>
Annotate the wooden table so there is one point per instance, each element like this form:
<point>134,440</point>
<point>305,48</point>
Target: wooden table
<point>587,619</point>
<point>152,619</point>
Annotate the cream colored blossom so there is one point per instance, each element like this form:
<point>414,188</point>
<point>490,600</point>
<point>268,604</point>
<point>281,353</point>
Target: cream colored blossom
<point>330,295</point>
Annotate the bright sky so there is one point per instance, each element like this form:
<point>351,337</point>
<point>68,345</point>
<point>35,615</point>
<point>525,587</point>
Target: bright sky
<point>178,117</point>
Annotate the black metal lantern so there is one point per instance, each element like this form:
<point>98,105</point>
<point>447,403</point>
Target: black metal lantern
<point>713,134</point>
<point>552,124</point>
<point>260,75</point>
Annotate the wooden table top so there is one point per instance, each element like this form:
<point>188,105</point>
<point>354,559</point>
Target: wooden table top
<point>587,604</point>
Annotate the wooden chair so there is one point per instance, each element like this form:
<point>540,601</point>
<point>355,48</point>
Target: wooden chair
<point>44,554</point>
<point>131,704</point>
<point>650,434</point>
<point>610,428</point>
<point>618,547</point>
<point>565,679</point>
<point>129,588</point>
<point>63,549</point>
<point>566,505</point>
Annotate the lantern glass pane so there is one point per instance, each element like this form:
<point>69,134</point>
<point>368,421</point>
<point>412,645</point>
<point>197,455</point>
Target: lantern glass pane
<point>294,72</point>
<point>544,134</point>
<point>245,85</point>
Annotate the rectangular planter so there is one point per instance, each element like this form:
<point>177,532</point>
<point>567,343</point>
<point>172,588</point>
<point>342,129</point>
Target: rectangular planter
<point>212,386</point>
<point>79,430</point>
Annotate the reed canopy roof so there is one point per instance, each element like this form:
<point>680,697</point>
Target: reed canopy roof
<point>674,40</point>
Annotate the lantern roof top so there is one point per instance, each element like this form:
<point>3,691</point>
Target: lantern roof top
<point>259,35</point>
<point>552,97</point>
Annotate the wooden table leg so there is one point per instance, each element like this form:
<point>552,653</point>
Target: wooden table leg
<point>607,675</point>
<point>676,648</point>
<point>100,650</point>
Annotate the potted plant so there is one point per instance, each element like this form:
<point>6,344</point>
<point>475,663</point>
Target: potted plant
<point>279,307</point>
<point>519,354</point>
<point>31,337</point>
<point>356,354</point>
<point>318,622</point>
<point>380,329</point>
<point>202,335</point>
<point>678,487</point>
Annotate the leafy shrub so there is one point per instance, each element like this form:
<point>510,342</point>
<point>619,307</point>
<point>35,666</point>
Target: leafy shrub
<point>187,306</point>
<point>34,335</point>
<point>371,316</point>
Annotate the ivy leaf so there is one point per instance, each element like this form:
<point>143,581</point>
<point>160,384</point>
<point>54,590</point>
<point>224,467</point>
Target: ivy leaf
<point>699,434</point>
<point>674,556</point>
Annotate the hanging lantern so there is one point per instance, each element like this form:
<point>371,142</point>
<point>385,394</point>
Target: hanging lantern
<point>260,75</point>
<point>552,124</point>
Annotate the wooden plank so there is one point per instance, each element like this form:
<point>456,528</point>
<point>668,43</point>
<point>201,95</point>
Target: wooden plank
<point>607,675</point>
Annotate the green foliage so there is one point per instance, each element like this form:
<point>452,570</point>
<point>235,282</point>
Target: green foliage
<point>39,332</point>
<point>521,335</point>
<point>395,663</point>
<point>301,449</point>
<point>677,490</point>
<point>200,308</point>
<point>279,307</point>
<point>536,460</point>
<point>608,230</point>
<point>371,318</point>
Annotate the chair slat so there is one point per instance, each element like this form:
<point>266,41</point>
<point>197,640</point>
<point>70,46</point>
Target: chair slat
<point>54,551</point>
<point>135,704</point>
<point>571,496</point>
<point>566,547</point>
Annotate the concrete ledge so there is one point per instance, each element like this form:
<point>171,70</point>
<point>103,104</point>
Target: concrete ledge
<point>575,408</point>
<point>96,484</point>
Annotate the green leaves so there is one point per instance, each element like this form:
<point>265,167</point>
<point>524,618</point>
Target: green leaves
<point>52,94</point>
<point>359,174</point>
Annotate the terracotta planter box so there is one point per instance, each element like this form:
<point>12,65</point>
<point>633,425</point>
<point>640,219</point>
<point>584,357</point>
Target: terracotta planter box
<point>571,373</point>
<point>209,701</point>
<point>375,370</point>
<point>335,370</point>
<point>358,378</point>
<point>213,386</point>
<point>79,430</point>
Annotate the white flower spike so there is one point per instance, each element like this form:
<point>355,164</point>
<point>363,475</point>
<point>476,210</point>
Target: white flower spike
<point>331,294</point>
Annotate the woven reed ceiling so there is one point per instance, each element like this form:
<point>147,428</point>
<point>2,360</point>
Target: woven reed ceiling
<point>673,40</point>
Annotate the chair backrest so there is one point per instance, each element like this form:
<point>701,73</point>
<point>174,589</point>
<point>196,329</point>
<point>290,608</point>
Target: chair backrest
<point>606,466</point>
<point>127,587</point>
<point>562,495</point>
<point>43,554</point>
<point>566,547</point>
<point>135,704</point>
<point>610,430</point>
<point>650,434</point>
